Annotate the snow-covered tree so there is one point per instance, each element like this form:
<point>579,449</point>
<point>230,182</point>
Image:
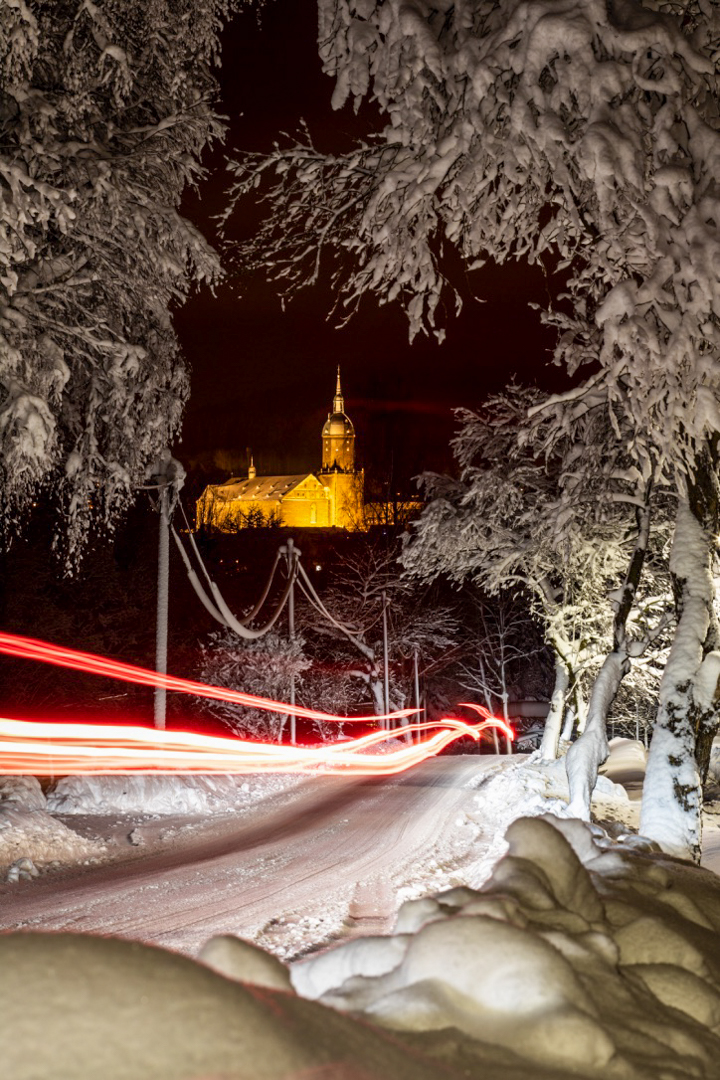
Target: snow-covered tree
<point>105,109</point>
<point>264,667</point>
<point>588,132</point>
<point>553,510</point>
<point>503,525</point>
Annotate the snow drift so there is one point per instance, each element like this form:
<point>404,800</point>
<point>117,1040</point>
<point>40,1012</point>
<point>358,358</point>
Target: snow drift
<point>162,793</point>
<point>28,833</point>
<point>579,957</point>
<point>578,953</point>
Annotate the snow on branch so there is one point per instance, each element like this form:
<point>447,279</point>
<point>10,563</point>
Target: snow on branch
<point>587,131</point>
<point>104,110</point>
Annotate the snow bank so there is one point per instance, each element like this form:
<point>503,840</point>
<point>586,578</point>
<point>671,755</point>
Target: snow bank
<point>579,956</point>
<point>626,766</point>
<point>578,953</point>
<point>162,794</point>
<point>21,791</point>
<point>35,835</point>
<point>77,1007</point>
<point>714,769</point>
<point>526,787</point>
<point>28,834</point>
<point>626,755</point>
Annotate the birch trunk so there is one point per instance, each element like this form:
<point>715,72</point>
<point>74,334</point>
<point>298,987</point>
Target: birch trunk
<point>587,754</point>
<point>553,724</point>
<point>672,793</point>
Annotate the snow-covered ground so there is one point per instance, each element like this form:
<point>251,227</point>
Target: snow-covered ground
<point>555,950</point>
<point>370,845</point>
<point>324,858</point>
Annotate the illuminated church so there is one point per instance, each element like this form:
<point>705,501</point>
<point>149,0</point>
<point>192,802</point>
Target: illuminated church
<point>332,497</point>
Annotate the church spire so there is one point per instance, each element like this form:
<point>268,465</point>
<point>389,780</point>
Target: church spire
<point>338,400</point>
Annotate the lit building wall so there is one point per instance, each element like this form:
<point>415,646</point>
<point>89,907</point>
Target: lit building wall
<point>306,513</point>
<point>346,500</point>
<point>332,498</point>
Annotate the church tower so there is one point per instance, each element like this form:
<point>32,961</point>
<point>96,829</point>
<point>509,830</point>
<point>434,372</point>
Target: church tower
<point>337,474</point>
<point>338,437</point>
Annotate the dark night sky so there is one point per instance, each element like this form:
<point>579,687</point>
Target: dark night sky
<point>264,378</point>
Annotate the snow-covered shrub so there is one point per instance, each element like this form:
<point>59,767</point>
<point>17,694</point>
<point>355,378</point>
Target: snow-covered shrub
<point>263,667</point>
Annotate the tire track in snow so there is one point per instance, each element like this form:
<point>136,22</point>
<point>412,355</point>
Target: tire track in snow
<point>300,861</point>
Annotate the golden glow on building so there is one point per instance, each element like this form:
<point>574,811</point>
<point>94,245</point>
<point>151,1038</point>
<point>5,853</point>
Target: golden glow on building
<point>332,497</point>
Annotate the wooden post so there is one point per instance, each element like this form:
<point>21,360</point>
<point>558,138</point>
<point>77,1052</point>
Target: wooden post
<point>291,633</point>
<point>386,675</point>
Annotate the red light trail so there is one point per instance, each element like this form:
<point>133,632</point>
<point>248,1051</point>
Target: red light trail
<point>44,748</point>
<point>46,653</point>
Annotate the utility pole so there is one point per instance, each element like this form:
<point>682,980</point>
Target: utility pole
<point>167,478</point>
<point>292,555</point>
<point>416,674</point>
<point>163,594</point>
<point>386,723</point>
<point>291,631</point>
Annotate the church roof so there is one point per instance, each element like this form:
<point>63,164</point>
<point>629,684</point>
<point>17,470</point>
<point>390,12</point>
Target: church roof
<point>260,488</point>
<point>338,424</point>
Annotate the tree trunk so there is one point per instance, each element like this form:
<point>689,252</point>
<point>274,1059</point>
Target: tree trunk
<point>569,725</point>
<point>553,724</point>
<point>581,709</point>
<point>575,715</point>
<point>672,794</point>
<point>585,756</point>
<point>377,688</point>
<point>506,718</point>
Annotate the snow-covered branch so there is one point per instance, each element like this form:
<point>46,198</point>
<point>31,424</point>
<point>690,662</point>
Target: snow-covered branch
<point>104,113</point>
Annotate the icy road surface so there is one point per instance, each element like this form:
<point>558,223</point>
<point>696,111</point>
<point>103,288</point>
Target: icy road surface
<point>331,858</point>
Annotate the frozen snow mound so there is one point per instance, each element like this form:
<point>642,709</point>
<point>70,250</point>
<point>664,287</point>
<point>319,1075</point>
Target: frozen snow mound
<point>36,836</point>
<point>30,837</point>
<point>625,755</point>
<point>714,770</point>
<point>78,1007</point>
<point>577,953</point>
<point>21,792</point>
<point>579,957</point>
<point>161,794</point>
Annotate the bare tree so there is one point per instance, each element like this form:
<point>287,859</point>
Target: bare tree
<point>497,651</point>
<point>366,584</point>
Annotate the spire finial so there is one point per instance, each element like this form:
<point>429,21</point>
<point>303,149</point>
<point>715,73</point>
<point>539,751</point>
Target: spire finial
<point>338,401</point>
<point>251,469</point>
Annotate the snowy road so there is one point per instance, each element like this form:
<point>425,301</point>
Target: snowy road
<point>288,875</point>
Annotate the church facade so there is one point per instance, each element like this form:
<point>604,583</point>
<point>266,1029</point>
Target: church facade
<point>329,498</point>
